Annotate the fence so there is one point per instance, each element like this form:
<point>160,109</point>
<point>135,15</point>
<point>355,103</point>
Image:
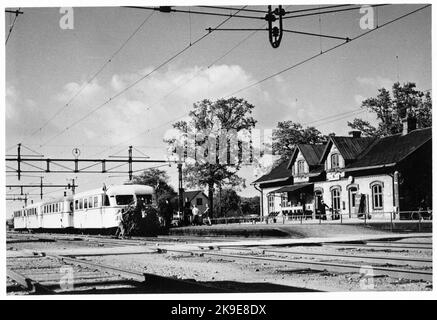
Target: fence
<point>334,217</point>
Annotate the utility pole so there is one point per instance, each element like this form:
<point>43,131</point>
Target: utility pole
<point>19,161</point>
<point>181,189</point>
<point>130,163</point>
<point>41,186</point>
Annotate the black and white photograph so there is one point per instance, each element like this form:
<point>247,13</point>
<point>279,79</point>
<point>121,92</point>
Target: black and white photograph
<point>204,150</point>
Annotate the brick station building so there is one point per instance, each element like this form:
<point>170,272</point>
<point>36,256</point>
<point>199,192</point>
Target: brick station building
<point>355,176</point>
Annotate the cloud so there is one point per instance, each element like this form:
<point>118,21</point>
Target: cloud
<point>142,114</point>
<point>377,82</point>
<point>20,113</point>
<point>71,89</point>
<point>358,98</point>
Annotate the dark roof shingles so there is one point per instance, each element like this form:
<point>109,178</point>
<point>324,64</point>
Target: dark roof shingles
<point>350,148</point>
<point>392,149</point>
<point>312,152</point>
<point>278,172</point>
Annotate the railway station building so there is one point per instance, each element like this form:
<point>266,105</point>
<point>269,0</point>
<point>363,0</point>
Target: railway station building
<point>352,177</point>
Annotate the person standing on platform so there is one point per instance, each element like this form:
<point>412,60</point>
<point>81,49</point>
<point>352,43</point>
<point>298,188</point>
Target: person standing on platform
<point>196,217</point>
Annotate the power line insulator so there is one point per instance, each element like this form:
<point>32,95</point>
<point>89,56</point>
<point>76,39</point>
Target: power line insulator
<point>166,9</point>
<point>275,32</point>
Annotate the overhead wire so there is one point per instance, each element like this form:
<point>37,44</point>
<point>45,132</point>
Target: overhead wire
<point>300,63</point>
<point>95,75</point>
<point>134,83</point>
<point>12,26</point>
<point>326,51</point>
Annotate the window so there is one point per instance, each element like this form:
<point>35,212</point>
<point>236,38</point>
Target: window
<point>335,193</point>
<point>96,201</point>
<point>284,199</point>
<point>105,201</point>
<point>271,203</point>
<point>377,196</point>
<point>123,200</point>
<point>90,202</point>
<point>199,201</point>
<point>85,203</point>
<point>335,163</point>
<point>76,204</point>
<point>80,204</point>
<point>300,166</point>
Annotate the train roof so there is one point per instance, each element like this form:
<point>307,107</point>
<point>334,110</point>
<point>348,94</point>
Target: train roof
<point>119,189</point>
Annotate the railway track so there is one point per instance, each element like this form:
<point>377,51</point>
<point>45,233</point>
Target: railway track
<point>67,275</point>
<point>397,267</point>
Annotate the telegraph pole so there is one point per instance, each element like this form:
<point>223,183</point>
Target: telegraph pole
<point>130,163</point>
<point>19,161</point>
<point>181,189</point>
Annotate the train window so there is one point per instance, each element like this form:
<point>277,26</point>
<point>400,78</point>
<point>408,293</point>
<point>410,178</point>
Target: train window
<point>90,202</point>
<point>124,199</point>
<point>105,201</point>
<point>85,203</point>
<point>145,198</point>
<point>76,204</point>
<point>80,204</point>
<point>96,201</point>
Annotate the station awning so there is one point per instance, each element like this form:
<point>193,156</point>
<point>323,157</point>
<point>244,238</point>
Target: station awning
<point>292,188</point>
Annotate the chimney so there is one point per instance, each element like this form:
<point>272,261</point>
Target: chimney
<point>409,124</point>
<point>355,133</point>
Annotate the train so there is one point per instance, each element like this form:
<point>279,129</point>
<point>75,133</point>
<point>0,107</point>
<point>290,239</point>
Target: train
<point>95,209</point>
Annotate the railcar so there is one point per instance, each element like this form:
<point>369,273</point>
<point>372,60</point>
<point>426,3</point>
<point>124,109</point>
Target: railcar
<point>91,210</point>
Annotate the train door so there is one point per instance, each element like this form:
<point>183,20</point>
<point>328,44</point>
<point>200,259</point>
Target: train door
<point>67,214</point>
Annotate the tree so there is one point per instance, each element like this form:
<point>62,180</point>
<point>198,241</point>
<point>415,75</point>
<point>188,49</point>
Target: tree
<point>207,162</point>
<point>391,109</point>
<point>289,133</point>
<point>250,206</point>
<point>158,179</point>
<point>228,202</point>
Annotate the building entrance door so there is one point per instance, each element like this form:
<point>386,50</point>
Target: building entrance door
<point>352,201</point>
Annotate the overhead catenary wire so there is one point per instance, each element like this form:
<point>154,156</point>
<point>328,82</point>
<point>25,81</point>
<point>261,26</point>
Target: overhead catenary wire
<point>133,84</point>
<point>287,12</point>
<point>169,9</point>
<point>94,76</point>
<point>326,51</point>
<point>185,83</point>
<point>299,63</point>
<point>17,13</point>
<point>329,11</point>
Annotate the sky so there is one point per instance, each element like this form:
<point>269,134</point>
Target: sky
<point>46,66</point>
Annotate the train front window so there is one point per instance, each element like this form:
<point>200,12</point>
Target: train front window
<point>144,198</point>
<point>124,199</point>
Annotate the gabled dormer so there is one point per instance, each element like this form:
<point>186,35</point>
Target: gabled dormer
<point>341,152</point>
<point>304,162</point>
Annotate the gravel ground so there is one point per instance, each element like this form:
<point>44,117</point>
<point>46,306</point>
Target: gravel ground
<point>246,275</point>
